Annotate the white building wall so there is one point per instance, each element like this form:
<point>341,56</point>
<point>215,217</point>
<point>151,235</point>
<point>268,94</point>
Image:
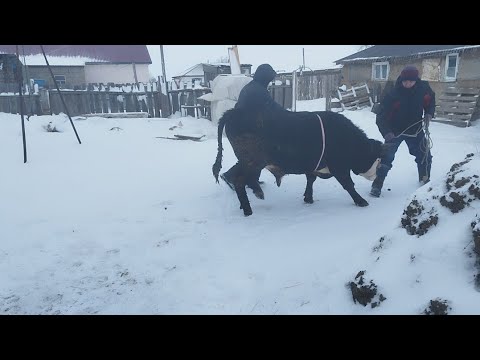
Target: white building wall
<point>116,73</point>
<point>196,72</point>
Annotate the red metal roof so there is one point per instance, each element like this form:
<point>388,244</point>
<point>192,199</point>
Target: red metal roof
<point>109,53</point>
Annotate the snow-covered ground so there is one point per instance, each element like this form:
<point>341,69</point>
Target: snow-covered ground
<point>127,223</point>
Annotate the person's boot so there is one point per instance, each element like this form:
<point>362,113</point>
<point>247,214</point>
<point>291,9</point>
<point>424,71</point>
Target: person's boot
<point>377,185</point>
<point>423,173</point>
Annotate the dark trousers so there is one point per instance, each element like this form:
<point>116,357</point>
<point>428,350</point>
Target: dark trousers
<point>416,146</point>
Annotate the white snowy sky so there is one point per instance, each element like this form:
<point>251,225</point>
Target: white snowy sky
<point>179,58</point>
<point>127,223</point>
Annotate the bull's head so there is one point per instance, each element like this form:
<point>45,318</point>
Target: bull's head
<point>371,160</point>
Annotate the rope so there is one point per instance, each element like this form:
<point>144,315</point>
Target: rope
<point>425,145</point>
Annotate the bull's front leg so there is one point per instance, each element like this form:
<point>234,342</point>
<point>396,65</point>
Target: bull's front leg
<point>240,183</point>
<point>308,194</point>
<point>344,178</point>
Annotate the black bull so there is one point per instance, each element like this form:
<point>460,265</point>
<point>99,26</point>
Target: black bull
<point>292,143</point>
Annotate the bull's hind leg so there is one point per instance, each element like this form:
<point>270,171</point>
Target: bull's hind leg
<point>254,183</point>
<point>246,175</point>
<point>242,196</point>
<point>308,194</point>
<point>251,160</point>
<point>344,178</point>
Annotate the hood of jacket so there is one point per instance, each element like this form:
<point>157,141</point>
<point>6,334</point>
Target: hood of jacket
<point>264,74</point>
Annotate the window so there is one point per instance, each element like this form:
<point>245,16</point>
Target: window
<point>451,67</point>
<point>60,79</point>
<point>196,80</point>
<point>380,70</point>
<point>40,82</point>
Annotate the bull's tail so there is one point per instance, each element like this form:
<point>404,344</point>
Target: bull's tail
<point>217,166</point>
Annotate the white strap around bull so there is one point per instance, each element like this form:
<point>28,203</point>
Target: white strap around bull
<point>323,141</point>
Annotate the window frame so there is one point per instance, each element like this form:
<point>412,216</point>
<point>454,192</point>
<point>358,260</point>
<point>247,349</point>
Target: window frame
<point>380,63</point>
<point>60,82</point>
<point>449,78</point>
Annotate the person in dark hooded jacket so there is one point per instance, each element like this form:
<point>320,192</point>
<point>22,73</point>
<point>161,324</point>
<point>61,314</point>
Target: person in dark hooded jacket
<point>255,97</point>
<point>402,111</point>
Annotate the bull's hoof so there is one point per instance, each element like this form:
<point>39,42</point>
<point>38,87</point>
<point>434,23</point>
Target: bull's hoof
<point>247,212</point>
<point>308,200</point>
<point>259,194</point>
<point>361,203</point>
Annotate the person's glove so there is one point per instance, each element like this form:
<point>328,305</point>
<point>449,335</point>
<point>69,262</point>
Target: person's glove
<point>389,136</point>
<point>427,119</point>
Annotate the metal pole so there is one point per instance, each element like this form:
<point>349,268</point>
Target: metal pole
<point>303,52</point>
<point>294,90</point>
<point>59,93</point>
<point>165,79</point>
<point>20,88</point>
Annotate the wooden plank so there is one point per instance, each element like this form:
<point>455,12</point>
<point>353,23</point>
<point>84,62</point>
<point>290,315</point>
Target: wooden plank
<point>472,91</point>
<point>136,104</point>
<point>121,103</point>
<point>98,103</point>
<point>459,123</point>
<point>84,104</point>
<point>451,110</point>
<point>361,99</point>
<point>456,105</point>
<point>129,105</point>
<point>458,98</point>
<point>346,95</point>
<point>156,104</point>
<point>113,103</point>
<point>151,110</point>
<point>452,116</point>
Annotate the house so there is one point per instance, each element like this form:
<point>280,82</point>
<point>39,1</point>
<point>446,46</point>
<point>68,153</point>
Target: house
<point>453,72</point>
<point>9,65</point>
<point>74,66</point>
<point>201,74</point>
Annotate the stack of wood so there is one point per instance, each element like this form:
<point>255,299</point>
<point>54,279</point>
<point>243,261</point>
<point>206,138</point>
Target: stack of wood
<point>457,106</point>
<point>357,97</point>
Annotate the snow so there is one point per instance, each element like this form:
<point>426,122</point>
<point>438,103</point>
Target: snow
<point>39,59</point>
<point>127,223</point>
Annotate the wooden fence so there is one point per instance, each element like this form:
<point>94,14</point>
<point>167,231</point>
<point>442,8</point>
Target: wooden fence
<point>187,102</point>
<point>95,100</point>
<point>11,104</point>
<point>127,98</point>
<point>310,85</point>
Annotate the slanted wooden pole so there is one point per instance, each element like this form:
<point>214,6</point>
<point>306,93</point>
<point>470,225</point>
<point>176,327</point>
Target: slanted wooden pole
<point>59,93</point>
<point>170,110</point>
<point>20,88</point>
